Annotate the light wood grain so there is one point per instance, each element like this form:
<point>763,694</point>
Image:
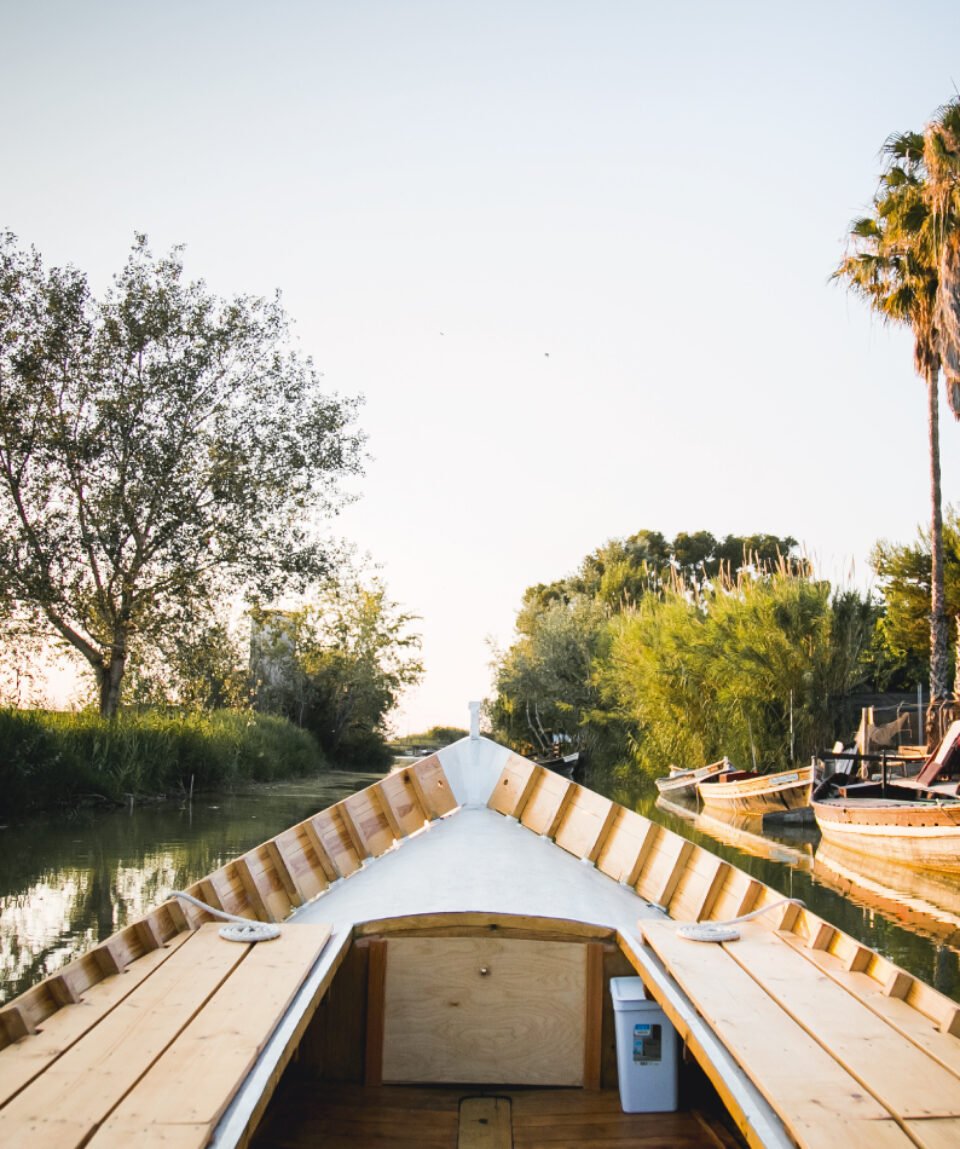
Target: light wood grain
<point>22,1063</point>
<point>514,786</point>
<point>63,1106</point>
<point>195,1078</point>
<point>521,1022</point>
<point>485,1123</point>
<point>821,1104</point>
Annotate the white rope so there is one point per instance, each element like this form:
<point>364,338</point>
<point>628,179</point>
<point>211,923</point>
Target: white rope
<point>727,931</point>
<point>240,929</point>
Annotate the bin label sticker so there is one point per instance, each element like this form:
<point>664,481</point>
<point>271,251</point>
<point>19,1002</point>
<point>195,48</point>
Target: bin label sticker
<point>647,1044</point>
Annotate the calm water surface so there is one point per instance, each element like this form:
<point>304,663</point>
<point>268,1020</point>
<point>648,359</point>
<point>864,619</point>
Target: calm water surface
<point>68,881</point>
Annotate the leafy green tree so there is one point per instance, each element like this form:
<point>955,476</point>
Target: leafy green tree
<point>544,682</point>
<point>904,573</point>
<point>755,670</point>
<point>893,264</point>
<point>342,662</point>
<point>159,448</point>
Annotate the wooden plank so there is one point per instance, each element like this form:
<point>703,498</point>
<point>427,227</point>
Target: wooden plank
<point>301,863</point>
<point>901,1076</point>
<point>514,786</point>
<point>372,826</point>
<point>275,865</point>
<point>913,1025</point>
<point>587,820</point>
<point>274,884</point>
<point>628,844</point>
<point>593,1017</point>
<point>547,802</point>
<point>335,840</point>
<point>399,795</point>
<point>195,1078</point>
<point>326,863</point>
<point>63,1106</point>
<point>68,1025</point>
<point>376,1009</point>
<point>664,866</point>
<point>699,887</point>
<point>256,901</point>
<point>485,1123</point>
<point>468,1009</point>
<point>434,789</point>
<point>821,1104</point>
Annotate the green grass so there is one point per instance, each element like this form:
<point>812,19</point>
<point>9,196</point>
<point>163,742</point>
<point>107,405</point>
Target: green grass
<point>50,759</point>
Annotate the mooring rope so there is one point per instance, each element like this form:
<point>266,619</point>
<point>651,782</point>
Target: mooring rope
<point>240,929</point>
<point>727,931</point>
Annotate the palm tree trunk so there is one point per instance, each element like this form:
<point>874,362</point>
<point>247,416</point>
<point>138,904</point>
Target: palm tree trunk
<point>939,640</point>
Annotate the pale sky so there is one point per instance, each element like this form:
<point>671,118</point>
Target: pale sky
<point>575,255</point>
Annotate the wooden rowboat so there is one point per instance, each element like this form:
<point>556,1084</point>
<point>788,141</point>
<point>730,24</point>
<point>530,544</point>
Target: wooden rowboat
<point>448,942</point>
<point>746,792</point>
<point>683,783</point>
<point>912,821</point>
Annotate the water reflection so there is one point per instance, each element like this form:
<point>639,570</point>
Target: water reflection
<point>68,881</point>
<point>911,917</point>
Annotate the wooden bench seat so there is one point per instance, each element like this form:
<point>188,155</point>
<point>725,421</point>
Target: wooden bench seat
<point>837,1071</point>
<point>162,1064</point>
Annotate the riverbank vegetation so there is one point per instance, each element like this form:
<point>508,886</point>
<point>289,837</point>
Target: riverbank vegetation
<point>169,463</point>
<point>676,651</point>
<point>68,759</point>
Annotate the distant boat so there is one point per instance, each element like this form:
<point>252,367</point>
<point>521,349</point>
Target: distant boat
<point>746,792</point>
<point>683,783</point>
<point>913,821</point>
<point>565,764</point>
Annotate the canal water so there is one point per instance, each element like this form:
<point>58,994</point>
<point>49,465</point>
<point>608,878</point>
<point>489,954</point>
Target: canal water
<point>70,880</point>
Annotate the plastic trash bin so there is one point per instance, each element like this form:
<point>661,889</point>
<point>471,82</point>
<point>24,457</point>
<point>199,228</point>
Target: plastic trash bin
<point>647,1060</point>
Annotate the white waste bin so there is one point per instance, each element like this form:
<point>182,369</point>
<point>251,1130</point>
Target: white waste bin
<point>646,1050</point>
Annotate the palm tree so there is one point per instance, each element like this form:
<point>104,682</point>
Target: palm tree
<point>893,264</point>
<point>941,155</point>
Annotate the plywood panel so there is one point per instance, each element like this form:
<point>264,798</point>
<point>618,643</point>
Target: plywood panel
<point>513,787</point>
<point>399,793</point>
<point>435,793</point>
<point>373,828</point>
<point>623,852</point>
<point>334,838</point>
<point>547,801</point>
<point>301,861</point>
<point>585,823</point>
<point>522,1022</point>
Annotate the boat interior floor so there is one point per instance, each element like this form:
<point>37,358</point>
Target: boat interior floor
<point>339,1116</point>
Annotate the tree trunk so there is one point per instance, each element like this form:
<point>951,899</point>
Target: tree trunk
<point>110,678</point>
<point>939,640</point>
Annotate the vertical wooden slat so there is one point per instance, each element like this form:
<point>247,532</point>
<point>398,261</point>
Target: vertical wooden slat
<point>376,1005</point>
<point>387,810</point>
<point>148,929</point>
<point>514,786</point>
<point>402,803</point>
<point>255,897</point>
<point>352,830</point>
<point>327,865</point>
<point>435,793</point>
<point>282,871</point>
<point>593,1027</point>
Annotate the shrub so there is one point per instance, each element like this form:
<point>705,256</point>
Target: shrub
<point>54,758</point>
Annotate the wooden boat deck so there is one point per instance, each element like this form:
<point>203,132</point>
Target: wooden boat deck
<point>405,1117</point>
<point>155,1056</point>
<point>165,1034</point>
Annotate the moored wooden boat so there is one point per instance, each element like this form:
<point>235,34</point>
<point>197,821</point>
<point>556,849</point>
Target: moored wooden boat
<point>913,821</point>
<point>746,792</point>
<point>681,783</point>
<point>449,935</point>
